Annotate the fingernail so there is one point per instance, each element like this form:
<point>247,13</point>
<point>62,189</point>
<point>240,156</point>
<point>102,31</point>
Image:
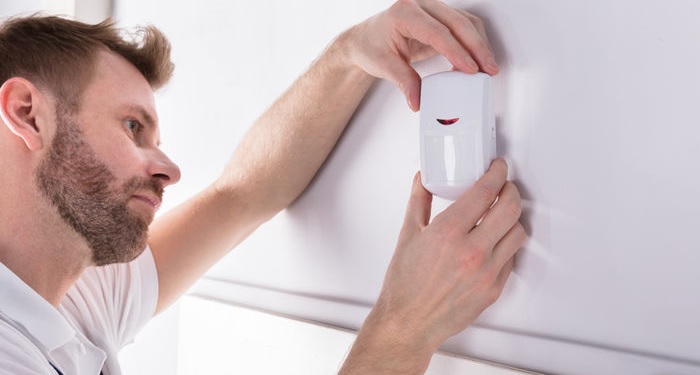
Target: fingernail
<point>472,65</point>
<point>412,103</point>
<point>491,62</point>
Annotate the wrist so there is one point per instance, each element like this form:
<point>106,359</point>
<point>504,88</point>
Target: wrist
<point>388,344</point>
<point>340,57</point>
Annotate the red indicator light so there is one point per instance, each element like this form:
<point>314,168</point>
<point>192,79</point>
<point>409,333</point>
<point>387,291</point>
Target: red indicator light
<point>447,121</point>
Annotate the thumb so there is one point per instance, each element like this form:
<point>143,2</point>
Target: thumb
<point>419,205</point>
<point>405,78</point>
<point>409,84</point>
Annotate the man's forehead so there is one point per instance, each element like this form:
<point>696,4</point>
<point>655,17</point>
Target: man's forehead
<point>115,75</point>
<point>118,82</point>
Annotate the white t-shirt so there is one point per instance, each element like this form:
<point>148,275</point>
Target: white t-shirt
<point>100,314</point>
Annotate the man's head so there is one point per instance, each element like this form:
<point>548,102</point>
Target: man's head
<point>79,100</point>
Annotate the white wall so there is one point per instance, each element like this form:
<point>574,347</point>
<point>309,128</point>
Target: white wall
<point>82,10</point>
<point>597,113</point>
<point>14,7</point>
<point>218,338</point>
<point>596,106</point>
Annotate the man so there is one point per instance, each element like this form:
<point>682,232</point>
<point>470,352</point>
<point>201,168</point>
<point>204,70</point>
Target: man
<point>83,177</point>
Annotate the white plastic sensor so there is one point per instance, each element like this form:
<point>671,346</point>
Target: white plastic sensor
<point>457,131</point>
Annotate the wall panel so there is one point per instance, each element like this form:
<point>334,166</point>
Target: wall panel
<point>597,113</point>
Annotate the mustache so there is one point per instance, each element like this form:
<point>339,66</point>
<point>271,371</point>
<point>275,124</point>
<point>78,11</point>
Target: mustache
<point>140,183</point>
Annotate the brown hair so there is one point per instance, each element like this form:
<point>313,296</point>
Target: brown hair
<point>59,54</point>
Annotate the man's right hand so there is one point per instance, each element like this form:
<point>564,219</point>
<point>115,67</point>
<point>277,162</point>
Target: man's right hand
<point>443,274</point>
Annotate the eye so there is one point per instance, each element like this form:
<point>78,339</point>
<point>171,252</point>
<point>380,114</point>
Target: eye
<point>133,125</point>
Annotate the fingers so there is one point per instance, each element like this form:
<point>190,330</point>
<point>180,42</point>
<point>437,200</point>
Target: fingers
<point>411,30</point>
<point>479,26</point>
<point>406,79</point>
<point>500,218</point>
<point>469,32</point>
<point>504,258</point>
<point>419,205</point>
<point>502,278</point>
<point>506,248</point>
<point>472,205</point>
<point>459,273</point>
<point>419,24</point>
<point>457,35</point>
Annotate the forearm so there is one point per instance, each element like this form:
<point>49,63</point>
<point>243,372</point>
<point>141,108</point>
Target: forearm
<point>287,145</point>
<point>384,347</point>
<point>272,165</point>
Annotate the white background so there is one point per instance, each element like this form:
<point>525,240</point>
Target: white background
<point>597,113</point>
<point>596,107</point>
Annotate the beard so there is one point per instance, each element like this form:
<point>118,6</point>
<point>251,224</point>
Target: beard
<point>80,186</point>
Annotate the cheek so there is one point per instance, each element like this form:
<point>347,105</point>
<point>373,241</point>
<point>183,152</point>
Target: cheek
<point>123,159</point>
<point>113,147</point>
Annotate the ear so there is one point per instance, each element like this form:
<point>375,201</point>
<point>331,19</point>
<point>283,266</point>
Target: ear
<point>21,102</point>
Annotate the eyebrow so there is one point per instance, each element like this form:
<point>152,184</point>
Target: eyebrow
<point>146,117</point>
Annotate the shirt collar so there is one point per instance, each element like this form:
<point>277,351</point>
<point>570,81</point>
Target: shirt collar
<point>33,313</point>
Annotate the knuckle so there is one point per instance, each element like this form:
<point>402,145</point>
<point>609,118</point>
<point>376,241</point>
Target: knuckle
<point>442,231</point>
<point>473,256</point>
<point>481,47</point>
<point>444,237</point>
<point>476,21</point>
<point>485,192</point>
<point>513,203</point>
<point>514,208</point>
<point>493,295</point>
<point>437,33</point>
<point>441,238</point>
<point>400,3</point>
<point>489,276</point>
<point>520,233</point>
<point>401,6</point>
<point>513,189</point>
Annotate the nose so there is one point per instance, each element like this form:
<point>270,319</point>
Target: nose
<point>163,169</point>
